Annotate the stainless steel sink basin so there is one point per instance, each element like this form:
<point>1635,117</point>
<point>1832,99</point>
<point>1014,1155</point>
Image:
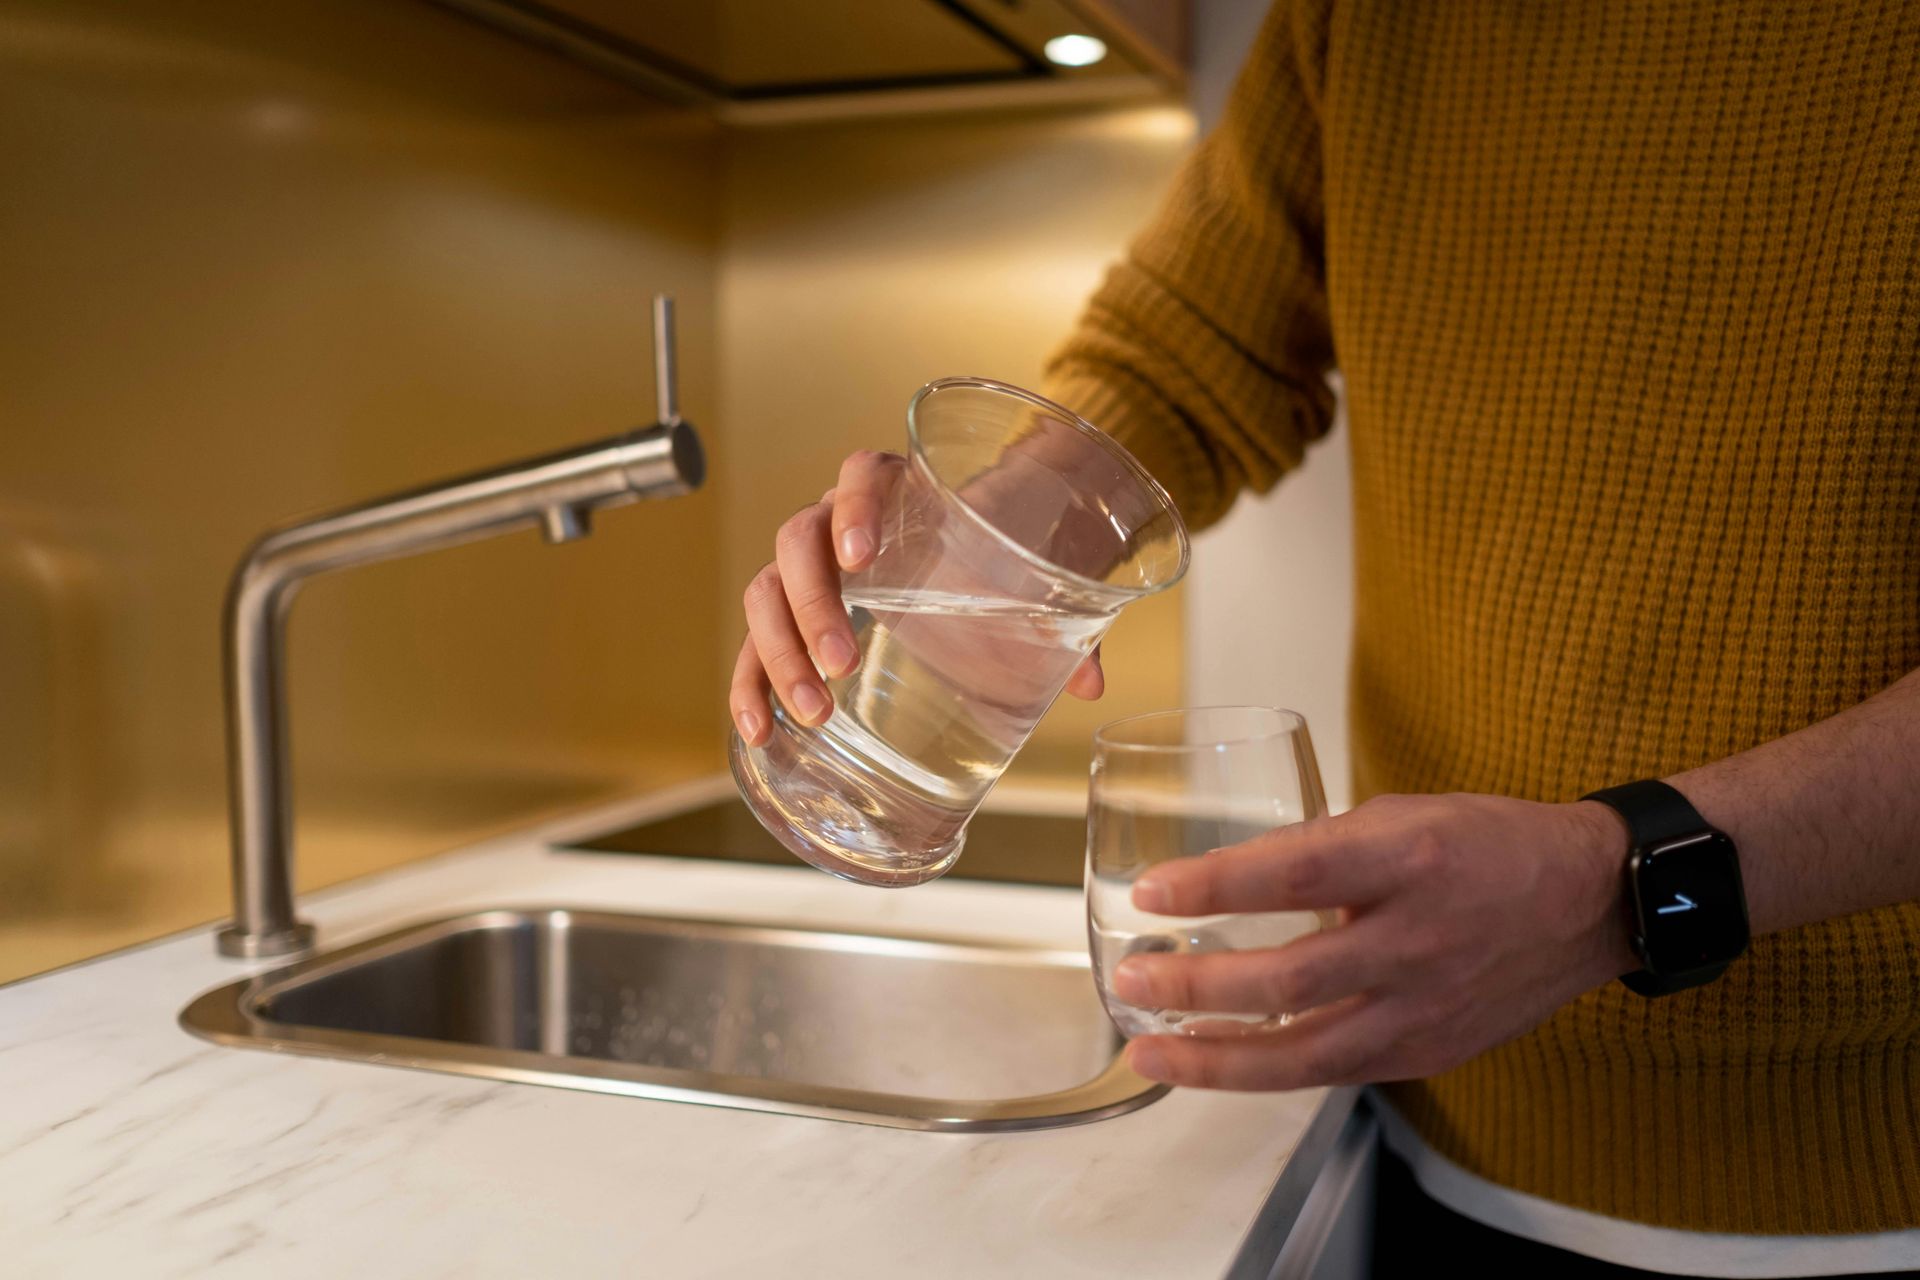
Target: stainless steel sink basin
<point>911,1032</point>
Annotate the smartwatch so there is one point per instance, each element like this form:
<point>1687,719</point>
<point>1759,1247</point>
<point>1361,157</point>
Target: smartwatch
<point>1686,907</point>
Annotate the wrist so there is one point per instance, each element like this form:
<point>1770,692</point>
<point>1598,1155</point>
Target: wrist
<point>1726,795</point>
<point>1601,843</point>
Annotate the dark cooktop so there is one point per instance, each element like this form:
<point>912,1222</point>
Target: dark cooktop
<point>1013,848</point>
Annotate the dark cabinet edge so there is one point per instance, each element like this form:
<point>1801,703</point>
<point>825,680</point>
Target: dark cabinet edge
<point>1342,1121</point>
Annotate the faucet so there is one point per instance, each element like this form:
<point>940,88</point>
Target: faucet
<point>557,493</point>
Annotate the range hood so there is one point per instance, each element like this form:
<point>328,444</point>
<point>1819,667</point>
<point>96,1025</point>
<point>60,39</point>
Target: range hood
<point>763,61</point>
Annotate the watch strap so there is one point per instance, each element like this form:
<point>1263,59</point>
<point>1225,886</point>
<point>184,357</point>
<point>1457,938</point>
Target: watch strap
<point>1654,811</point>
<point>1644,982</point>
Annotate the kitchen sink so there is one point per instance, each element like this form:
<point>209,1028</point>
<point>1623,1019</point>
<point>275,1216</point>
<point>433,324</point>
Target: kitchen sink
<point>911,1032</point>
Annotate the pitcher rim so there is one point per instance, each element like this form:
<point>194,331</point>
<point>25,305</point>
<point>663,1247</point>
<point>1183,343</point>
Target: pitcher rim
<point>1101,439</point>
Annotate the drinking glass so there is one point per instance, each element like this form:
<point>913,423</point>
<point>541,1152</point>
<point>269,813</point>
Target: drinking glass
<point>1014,536</point>
<point>1176,784</point>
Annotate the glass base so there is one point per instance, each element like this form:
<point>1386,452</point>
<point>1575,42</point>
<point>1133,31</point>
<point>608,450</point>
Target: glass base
<point>817,818</point>
<point>1132,1020</point>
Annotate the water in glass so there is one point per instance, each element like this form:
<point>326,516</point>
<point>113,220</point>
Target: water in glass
<point>1174,785</point>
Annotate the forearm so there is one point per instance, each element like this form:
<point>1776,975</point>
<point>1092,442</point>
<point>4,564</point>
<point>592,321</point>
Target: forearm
<point>1205,352</point>
<point>1827,819</point>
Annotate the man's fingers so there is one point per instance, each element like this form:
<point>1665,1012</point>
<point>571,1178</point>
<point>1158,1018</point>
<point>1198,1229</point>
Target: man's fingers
<point>865,479</point>
<point>1345,1043</point>
<point>1320,864</point>
<point>812,583</point>
<point>1088,680</point>
<point>782,654</point>
<point>1304,974</point>
<point>747,699</point>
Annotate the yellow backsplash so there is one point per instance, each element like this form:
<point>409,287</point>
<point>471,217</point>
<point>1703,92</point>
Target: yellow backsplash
<point>260,260</point>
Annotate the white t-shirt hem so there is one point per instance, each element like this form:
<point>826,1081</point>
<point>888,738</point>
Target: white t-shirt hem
<point>1634,1244</point>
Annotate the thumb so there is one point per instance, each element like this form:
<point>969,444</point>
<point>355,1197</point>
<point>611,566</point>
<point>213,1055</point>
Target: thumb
<point>1088,681</point>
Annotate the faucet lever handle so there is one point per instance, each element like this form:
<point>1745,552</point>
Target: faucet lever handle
<point>666,388</point>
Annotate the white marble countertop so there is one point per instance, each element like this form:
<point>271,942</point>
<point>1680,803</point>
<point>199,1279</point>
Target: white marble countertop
<point>128,1147</point>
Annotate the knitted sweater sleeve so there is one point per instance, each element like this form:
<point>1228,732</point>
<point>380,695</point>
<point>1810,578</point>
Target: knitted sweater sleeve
<point>1205,350</point>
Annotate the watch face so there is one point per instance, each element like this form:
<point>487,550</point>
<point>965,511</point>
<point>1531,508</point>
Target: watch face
<point>1691,907</point>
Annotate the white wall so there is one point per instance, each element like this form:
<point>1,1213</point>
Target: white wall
<point>1270,596</point>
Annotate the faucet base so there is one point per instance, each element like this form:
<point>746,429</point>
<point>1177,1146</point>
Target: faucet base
<point>238,944</point>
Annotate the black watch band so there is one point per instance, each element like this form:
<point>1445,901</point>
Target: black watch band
<point>1660,819</point>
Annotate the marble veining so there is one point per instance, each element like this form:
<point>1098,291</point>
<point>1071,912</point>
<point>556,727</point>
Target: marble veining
<point>129,1147</point>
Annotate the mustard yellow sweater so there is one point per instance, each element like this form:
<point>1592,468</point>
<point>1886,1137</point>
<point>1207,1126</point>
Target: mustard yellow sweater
<point>1626,296</point>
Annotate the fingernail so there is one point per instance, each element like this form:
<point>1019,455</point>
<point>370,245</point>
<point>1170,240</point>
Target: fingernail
<point>855,545</point>
<point>1147,1060</point>
<point>809,702</point>
<point>838,655</point>
<point>1131,982</point>
<point>749,725</point>
<point>1151,895</point>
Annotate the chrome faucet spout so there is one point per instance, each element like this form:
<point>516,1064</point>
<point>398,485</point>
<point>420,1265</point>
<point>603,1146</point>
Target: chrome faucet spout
<point>556,493</point>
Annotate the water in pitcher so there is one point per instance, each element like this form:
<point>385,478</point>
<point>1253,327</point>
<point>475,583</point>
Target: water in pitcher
<point>1008,544</point>
<point>948,688</point>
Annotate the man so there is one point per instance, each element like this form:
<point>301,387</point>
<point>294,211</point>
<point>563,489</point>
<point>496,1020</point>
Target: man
<point>1626,296</point>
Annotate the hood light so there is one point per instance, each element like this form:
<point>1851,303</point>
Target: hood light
<point>1075,50</point>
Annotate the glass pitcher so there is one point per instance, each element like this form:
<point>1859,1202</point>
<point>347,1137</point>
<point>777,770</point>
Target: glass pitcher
<point>1017,533</point>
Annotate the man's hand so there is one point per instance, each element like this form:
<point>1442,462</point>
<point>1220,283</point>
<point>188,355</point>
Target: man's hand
<point>797,625</point>
<point>1465,921</point>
